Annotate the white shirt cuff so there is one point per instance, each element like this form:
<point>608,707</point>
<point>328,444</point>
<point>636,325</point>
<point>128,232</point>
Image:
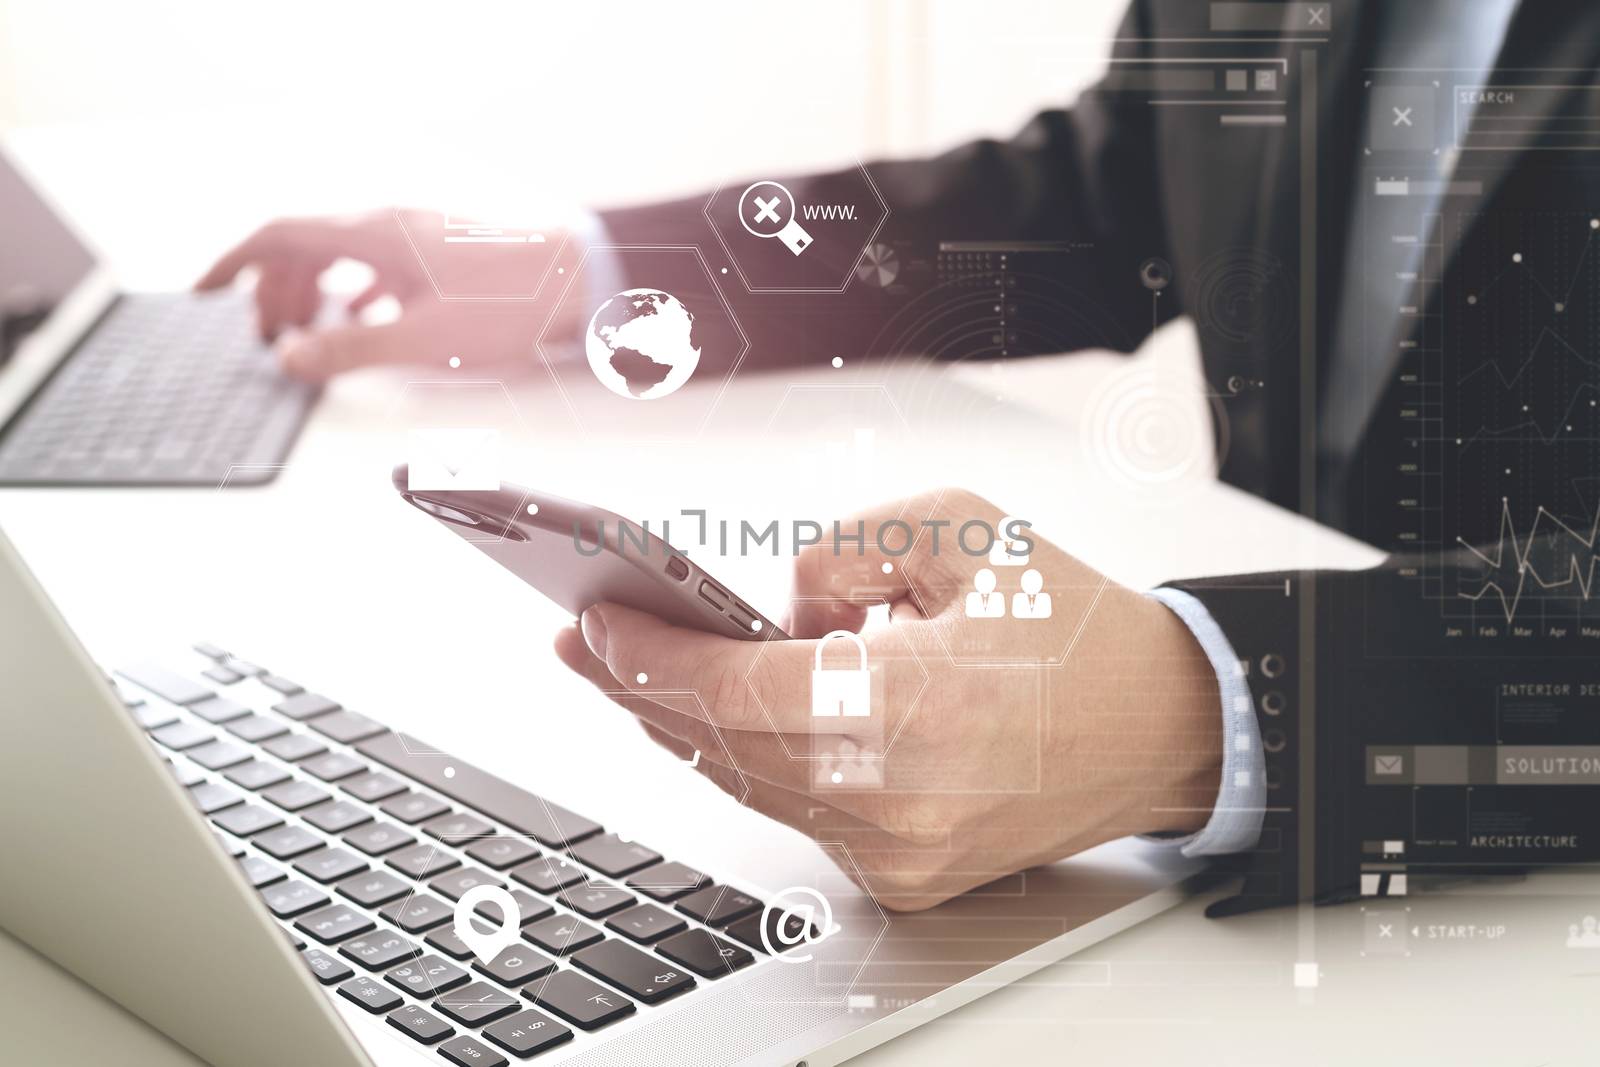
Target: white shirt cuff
<point>1235,823</point>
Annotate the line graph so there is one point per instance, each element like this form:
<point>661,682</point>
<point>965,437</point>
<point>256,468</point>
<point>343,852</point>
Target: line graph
<point>1569,571</point>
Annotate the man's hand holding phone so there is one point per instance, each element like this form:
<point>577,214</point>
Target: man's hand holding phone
<point>1099,711</point>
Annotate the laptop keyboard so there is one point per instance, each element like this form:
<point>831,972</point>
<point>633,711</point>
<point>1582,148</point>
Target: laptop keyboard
<point>360,840</point>
<point>168,388</point>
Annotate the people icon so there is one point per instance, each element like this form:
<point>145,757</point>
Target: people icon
<point>983,602</point>
<point>1588,937</point>
<point>1008,550</point>
<point>1030,603</point>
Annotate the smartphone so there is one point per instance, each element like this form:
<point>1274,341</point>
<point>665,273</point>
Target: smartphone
<point>578,556</point>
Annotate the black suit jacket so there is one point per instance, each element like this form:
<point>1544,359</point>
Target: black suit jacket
<point>1256,223</point>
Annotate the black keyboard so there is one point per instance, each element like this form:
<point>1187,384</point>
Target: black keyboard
<point>167,389</point>
<point>360,840</point>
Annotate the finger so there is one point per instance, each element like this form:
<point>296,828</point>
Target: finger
<point>303,295</point>
<point>314,240</point>
<point>362,300</point>
<point>270,298</point>
<point>743,685</point>
<point>321,354</point>
<point>863,560</point>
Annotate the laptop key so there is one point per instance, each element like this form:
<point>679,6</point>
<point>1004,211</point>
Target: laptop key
<point>427,977</point>
<point>581,1001</point>
<point>246,819</point>
<point>179,736</point>
<point>469,1051</point>
<point>456,828</point>
<point>379,951</point>
<point>240,666</point>
<point>562,935</point>
<point>210,651</point>
<point>186,775</point>
<point>596,900</point>
<point>645,923</point>
<point>222,675</point>
<point>333,924</point>
<point>718,905</point>
<point>667,881</point>
<point>445,940</point>
<point>330,865</point>
<point>412,808</point>
<point>325,968</point>
<point>553,825</point>
<point>287,843</point>
<point>418,912</point>
<point>260,872</point>
<point>291,898</point>
<point>256,774</point>
<point>748,931</point>
<point>501,852</point>
<point>421,861</point>
<point>217,755</point>
<point>295,747</point>
<point>370,994</point>
<point>516,965</point>
<point>612,856</point>
<point>705,953</point>
<point>303,706</point>
<point>150,716</point>
<point>373,889</point>
<point>476,1004</point>
<point>210,797</point>
<point>455,883</point>
<point>218,710</point>
<point>372,786</point>
<point>333,766</point>
<point>638,974</point>
<point>280,684</point>
<point>296,795</point>
<point>336,817</point>
<point>529,909</point>
<point>347,727</point>
<point>527,1033</point>
<point>421,1024</point>
<point>256,728</point>
<point>171,687</point>
<point>548,874</point>
<point>377,838</point>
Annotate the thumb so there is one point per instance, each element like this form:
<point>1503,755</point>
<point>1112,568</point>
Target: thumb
<point>318,355</point>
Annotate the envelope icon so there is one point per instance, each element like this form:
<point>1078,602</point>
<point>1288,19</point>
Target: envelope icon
<point>1388,764</point>
<point>453,458</point>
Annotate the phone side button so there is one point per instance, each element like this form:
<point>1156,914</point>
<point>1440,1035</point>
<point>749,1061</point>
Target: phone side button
<point>678,567</point>
<point>714,595</point>
<point>742,617</point>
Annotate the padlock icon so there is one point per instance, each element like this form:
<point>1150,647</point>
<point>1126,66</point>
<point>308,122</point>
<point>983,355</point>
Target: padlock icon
<point>846,692</point>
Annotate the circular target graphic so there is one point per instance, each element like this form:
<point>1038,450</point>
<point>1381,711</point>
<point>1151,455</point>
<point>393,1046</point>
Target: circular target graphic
<point>1243,295</point>
<point>1145,432</point>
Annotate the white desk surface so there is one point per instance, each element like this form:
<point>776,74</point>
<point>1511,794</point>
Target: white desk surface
<point>326,571</point>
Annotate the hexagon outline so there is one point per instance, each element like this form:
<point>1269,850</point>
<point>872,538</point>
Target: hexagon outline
<point>572,276</point>
<point>433,283</point>
<point>850,271</point>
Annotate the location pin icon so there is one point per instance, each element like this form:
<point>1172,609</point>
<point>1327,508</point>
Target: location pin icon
<point>486,946</point>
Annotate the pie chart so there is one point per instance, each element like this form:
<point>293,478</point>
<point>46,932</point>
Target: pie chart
<point>879,266</point>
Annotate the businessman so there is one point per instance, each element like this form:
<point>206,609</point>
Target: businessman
<point>1231,715</point>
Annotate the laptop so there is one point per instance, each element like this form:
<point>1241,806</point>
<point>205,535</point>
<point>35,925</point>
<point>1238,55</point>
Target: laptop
<point>103,387</point>
<point>269,877</point>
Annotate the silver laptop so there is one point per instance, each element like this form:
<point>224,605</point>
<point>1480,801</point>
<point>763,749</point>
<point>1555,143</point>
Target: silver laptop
<point>268,878</point>
<point>104,387</point>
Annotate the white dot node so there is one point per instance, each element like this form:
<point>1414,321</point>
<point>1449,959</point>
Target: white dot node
<point>455,361</point>
<point>888,568</point>
<point>837,361</point>
<point>533,509</point>
<point>449,772</point>
<point>755,626</point>
<point>1516,257</point>
<point>836,778</point>
<point>641,678</point>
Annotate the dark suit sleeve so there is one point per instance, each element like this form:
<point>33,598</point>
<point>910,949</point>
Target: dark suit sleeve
<point>1341,663</point>
<point>1086,175</point>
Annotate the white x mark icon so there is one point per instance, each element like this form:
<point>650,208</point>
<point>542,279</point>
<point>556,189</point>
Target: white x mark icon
<point>1386,929</point>
<point>1402,116</point>
<point>1316,16</point>
<point>768,209</point>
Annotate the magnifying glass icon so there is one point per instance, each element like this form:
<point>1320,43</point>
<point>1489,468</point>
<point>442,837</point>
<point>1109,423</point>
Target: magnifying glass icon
<point>767,210</point>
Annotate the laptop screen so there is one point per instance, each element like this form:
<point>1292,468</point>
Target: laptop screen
<point>41,261</point>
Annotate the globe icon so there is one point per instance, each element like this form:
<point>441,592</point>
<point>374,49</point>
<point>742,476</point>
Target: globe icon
<point>641,344</point>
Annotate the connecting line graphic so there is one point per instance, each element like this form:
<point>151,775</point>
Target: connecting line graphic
<point>1559,301</point>
<point>1579,572</point>
<point>1507,383</point>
